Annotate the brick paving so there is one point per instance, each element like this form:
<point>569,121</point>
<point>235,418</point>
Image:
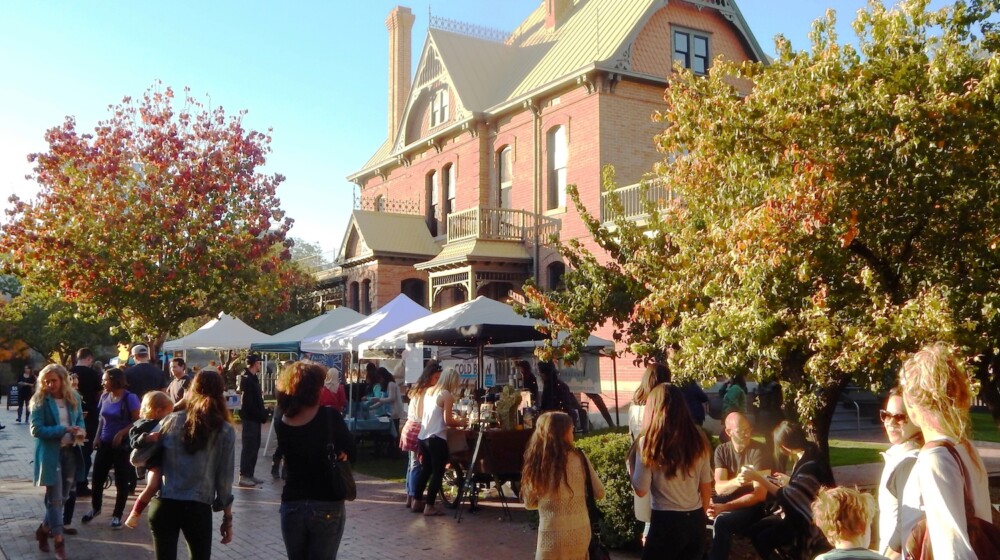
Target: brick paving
<point>378,526</point>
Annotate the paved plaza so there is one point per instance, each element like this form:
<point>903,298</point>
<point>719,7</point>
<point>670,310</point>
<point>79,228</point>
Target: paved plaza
<point>378,526</point>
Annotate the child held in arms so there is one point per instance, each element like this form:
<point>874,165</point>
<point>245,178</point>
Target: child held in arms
<point>143,435</point>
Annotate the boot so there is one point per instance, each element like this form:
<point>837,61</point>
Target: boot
<point>42,534</point>
<point>61,550</point>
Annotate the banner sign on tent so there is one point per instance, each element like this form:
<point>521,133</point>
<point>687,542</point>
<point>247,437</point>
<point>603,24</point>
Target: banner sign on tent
<point>468,370</point>
<point>328,360</point>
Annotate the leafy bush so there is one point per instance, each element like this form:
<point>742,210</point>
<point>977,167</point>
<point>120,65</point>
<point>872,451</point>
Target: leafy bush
<point>607,452</point>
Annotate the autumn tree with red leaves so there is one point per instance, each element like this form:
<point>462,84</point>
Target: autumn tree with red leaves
<point>159,215</point>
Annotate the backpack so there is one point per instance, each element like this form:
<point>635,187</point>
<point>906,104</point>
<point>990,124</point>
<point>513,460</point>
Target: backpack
<point>984,536</point>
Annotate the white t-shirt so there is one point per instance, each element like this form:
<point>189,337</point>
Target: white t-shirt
<point>681,492</point>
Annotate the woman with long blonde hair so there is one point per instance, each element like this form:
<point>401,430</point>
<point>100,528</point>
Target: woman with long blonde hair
<point>674,467</point>
<point>553,481</point>
<point>57,425</point>
<point>938,394</point>
<point>434,424</point>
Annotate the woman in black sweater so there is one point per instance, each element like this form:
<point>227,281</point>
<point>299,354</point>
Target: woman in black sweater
<point>312,504</point>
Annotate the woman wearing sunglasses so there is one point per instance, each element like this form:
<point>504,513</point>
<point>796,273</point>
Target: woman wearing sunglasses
<point>906,441</point>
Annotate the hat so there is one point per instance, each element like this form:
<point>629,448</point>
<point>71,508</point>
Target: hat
<point>140,350</point>
<point>253,359</point>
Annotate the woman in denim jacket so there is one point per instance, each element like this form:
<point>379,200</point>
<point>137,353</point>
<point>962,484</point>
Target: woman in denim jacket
<point>198,462</point>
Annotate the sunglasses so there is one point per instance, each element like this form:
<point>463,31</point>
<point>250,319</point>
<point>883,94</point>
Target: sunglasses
<point>885,415</point>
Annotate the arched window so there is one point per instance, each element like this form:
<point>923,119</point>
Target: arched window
<point>366,298</point>
<point>380,203</point>
<point>431,197</point>
<point>558,153</point>
<point>415,289</point>
<point>353,296</point>
<point>555,274</point>
<point>448,176</point>
<point>505,174</point>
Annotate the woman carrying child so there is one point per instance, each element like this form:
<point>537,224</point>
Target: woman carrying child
<point>143,434</point>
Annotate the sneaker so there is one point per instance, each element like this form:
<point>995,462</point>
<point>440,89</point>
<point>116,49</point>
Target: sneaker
<point>116,522</point>
<point>256,480</point>
<point>246,482</point>
<point>133,520</point>
<point>90,515</point>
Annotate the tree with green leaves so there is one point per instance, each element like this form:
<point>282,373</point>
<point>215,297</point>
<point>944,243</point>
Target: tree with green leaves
<point>160,214</point>
<point>53,327</point>
<point>824,225</point>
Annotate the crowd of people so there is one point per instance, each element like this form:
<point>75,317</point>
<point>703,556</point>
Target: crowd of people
<point>179,430</point>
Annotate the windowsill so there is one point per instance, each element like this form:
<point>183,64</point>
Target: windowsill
<point>555,211</point>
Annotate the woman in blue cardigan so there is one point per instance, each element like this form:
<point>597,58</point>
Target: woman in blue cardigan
<point>57,426</point>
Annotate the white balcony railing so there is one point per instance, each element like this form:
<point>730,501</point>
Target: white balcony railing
<point>501,224</point>
<point>634,200</point>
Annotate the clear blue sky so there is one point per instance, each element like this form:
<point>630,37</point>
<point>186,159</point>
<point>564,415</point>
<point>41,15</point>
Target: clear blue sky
<point>315,71</point>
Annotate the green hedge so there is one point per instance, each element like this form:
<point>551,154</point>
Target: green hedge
<point>607,452</point>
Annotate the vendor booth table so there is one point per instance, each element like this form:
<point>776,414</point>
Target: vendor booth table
<point>499,460</point>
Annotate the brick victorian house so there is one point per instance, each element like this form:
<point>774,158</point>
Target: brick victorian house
<point>462,197</point>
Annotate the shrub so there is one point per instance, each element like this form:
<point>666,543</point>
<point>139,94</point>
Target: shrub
<point>607,452</point>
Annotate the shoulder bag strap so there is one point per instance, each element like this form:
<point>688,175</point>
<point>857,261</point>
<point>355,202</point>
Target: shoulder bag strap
<point>970,508</point>
<point>591,502</point>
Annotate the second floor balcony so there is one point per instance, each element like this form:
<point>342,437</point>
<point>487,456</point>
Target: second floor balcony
<point>500,224</point>
<point>635,200</point>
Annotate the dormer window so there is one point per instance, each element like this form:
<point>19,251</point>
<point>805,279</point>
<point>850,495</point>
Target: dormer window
<point>439,107</point>
<point>691,50</point>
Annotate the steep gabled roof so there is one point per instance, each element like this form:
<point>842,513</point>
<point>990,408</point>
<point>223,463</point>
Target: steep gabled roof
<point>487,76</point>
<point>482,72</point>
<point>375,234</point>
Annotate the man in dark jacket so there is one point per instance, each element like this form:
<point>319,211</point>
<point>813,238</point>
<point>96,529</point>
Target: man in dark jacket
<point>252,415</point>
<point>144,377</point>
<point>90,391</point>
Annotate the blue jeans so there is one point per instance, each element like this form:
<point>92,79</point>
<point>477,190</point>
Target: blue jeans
<point>412,474</point>
<point>57,494</point>
<point>312,529</point>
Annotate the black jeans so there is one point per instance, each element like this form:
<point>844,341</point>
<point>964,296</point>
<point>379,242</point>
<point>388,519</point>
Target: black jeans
<point>676,535</point>
<point>435,457</point>
<point>106,458</point>
<point>169,518</point>
<point>251,446</point>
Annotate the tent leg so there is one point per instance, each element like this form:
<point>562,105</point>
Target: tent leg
<point>614,373</point>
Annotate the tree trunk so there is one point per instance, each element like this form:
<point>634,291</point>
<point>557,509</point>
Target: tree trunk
<point>986,372</point>
<point>829,398</point>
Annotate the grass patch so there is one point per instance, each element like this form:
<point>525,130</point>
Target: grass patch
<point>392,469</point>
<point>845,452</point>
<point>984,428</point>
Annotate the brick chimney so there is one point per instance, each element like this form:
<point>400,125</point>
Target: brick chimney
<point>400,27</point>
<point>555,12</point>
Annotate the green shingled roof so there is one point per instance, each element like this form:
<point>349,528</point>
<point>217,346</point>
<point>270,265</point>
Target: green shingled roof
<point>487,76</point>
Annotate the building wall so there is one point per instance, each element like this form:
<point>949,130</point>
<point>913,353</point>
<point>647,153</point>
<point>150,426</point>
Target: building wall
<point>610,123</point>
<point>653,52</point>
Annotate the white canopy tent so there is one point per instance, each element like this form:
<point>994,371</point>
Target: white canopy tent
<point>400,311</point>
<point>224,333</point>
<point>288,340</point>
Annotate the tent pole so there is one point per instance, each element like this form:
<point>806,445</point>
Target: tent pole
<point>614,373</point>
